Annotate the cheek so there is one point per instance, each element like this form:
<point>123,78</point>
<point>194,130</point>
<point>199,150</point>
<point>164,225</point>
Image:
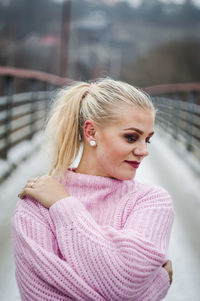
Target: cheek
<point>114,150</point>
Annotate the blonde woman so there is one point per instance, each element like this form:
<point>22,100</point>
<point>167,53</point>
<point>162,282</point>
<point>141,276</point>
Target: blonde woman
<point>93,232</point>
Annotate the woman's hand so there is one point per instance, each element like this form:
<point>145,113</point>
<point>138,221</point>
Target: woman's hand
<point>168,267</point>
<point>46,190</point>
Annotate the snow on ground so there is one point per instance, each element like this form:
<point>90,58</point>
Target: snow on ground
<point>163,167</point>
<point>32,167</point>
<point>18,153</point>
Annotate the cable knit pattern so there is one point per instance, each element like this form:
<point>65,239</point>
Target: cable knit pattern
<point>107,241</point>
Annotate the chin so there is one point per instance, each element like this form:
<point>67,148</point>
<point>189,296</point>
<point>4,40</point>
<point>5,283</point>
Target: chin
<point>125,176</point>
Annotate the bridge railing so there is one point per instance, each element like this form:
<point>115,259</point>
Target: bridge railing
<point>23,114</point>
<point>179,113</point>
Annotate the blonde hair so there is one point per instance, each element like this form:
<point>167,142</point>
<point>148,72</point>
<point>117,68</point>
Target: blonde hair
<point>74,105</point>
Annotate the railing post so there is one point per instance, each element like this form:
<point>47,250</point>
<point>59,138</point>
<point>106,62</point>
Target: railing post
<point>33,107</point>
<point>168,101</point>
<point>176,116</point>
<point>163,111</point>
<point>8,119</point>
<point>46,100</point>
<point>169,123</point>
<point>191,102</point>
<point>49,88</point>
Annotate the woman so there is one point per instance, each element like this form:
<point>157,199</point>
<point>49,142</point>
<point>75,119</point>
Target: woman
<point>92,232</point>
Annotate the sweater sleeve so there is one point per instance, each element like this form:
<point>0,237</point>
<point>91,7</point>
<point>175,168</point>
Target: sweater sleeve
<point>120,264</point>
<point>41,272</point>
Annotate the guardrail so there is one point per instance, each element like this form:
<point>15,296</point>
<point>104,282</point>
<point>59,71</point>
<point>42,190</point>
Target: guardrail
<point>23,114</point>
<point>179,113</point>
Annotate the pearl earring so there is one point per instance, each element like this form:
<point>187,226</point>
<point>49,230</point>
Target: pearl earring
<point>93,143</point>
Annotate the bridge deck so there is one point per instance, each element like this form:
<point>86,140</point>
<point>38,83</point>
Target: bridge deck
<point>163,167</point>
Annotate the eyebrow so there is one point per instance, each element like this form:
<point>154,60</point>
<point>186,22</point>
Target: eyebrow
<point>138,131</point>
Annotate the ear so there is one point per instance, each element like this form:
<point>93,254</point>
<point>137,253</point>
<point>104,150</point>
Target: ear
<point>89,130</point>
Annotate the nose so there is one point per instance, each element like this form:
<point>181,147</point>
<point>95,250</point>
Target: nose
<point>141,150</point>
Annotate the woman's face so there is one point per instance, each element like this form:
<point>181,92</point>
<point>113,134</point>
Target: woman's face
<point>122,145</point>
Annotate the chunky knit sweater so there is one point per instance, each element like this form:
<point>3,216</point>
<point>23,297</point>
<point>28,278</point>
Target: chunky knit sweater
<point>107,241</point>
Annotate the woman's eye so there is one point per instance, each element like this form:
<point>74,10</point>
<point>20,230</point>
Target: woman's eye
<point>148,140</point>
<point>131,138</point>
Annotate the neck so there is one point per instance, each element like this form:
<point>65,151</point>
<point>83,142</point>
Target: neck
<point>88,163</point>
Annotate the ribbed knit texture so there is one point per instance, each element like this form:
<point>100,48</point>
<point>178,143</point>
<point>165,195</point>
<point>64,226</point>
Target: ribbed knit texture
<point>107,241</point>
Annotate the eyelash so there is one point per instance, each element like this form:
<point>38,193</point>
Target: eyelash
<point>131,138</point>
<point>134,138</point>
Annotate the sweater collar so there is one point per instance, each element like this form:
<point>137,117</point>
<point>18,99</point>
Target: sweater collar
<point>90,182</point>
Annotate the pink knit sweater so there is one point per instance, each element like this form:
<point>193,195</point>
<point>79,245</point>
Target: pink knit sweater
<point>107,241</point>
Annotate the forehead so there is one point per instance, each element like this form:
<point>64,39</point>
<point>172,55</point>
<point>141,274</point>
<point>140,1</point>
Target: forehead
<point>133,116</point>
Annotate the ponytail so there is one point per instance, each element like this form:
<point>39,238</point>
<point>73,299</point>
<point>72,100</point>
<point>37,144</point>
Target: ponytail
<point>63,128</point>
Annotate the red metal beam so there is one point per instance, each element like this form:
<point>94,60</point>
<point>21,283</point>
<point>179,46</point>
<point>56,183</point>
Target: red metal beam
<point>60,81</point>
<point>173,88</point>
<point>32,74</point>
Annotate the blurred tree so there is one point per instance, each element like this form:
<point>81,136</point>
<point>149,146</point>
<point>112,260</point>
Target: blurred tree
<point>190,14</point>
<point>174,62</point>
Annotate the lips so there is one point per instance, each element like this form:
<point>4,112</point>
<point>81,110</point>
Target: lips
<point>134,164</point>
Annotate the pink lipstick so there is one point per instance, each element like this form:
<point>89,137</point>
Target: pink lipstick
<point>134,164</point>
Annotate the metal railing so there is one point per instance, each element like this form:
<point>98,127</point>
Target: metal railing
<point>179,113</point>
<point>23,114</point>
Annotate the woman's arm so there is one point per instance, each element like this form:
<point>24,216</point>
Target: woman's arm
<point>121,264</point>
<point>42,274</point>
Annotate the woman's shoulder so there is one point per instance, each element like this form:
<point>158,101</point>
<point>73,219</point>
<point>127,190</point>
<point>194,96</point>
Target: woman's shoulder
<point>146,187</point>
<point>143,197</point>
<point>149,192</point>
